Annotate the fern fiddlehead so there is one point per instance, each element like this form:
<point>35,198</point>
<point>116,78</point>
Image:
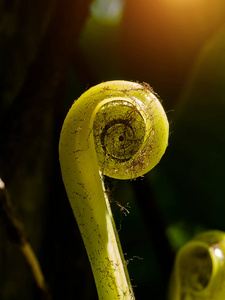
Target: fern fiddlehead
<point>118,129</point>
<point>199,270</point>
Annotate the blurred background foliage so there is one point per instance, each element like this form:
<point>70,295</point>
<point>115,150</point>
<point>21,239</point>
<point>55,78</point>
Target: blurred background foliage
<point>50,52</point>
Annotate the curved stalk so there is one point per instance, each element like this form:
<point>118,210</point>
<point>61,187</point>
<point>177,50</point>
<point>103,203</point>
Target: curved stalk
<point>118,129</point>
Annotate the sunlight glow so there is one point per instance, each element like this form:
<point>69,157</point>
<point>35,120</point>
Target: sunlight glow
<point>107,10</point>
<point>2,184</point>
<point>218,253</point>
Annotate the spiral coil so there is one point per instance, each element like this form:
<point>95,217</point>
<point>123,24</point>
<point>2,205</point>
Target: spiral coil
<point>130,131</point>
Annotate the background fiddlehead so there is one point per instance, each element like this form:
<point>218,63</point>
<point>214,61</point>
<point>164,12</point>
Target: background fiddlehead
<point>199,271</point>
<point>118,129</point>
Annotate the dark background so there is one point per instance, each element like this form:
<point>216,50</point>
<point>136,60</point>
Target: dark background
<point>50,53</point>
